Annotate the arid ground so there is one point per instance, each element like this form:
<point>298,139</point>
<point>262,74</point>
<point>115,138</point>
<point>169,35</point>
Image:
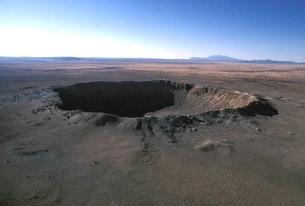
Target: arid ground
<point>55,154</point>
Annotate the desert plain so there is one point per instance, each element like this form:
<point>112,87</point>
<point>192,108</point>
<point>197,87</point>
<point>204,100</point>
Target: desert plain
<point>52,154</point>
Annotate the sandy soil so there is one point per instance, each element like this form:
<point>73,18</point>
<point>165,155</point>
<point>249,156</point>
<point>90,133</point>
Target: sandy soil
<point>50,156</point>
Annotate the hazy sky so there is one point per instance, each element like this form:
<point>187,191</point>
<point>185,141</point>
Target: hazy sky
<point>249,29</point>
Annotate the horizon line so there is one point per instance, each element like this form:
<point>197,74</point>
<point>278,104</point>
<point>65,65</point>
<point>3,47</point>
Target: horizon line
<point>199,58</point>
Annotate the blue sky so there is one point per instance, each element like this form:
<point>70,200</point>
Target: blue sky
<point>245,29</point>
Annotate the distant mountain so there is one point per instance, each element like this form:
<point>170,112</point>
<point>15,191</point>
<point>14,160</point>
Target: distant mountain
<point>221,58</point>
<point>269,61</point>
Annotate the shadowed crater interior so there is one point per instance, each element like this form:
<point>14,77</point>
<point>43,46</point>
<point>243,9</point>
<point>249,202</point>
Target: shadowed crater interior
<point>134,99</point>
<point>128,99</point>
